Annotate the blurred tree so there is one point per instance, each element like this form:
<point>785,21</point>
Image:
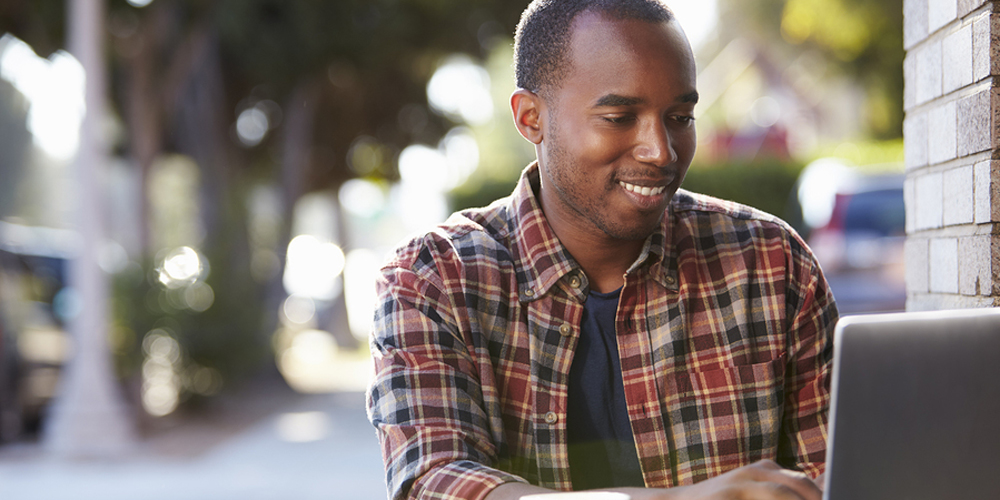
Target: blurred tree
<point>862,38</point>
<point>322,73</point>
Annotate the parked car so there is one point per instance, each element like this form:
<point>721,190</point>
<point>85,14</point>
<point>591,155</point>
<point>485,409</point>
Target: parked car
<point>33,341</point>
<point>860,245</point>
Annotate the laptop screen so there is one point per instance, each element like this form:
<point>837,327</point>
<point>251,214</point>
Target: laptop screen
<point>916,407</point>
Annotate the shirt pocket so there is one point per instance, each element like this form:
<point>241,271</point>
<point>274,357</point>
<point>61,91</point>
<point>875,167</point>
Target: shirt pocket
<point>729,417</point>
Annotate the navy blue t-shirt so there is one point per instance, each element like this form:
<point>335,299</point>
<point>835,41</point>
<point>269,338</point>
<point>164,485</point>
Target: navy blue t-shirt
<point>601,446</point>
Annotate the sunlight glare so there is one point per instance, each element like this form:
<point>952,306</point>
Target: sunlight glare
<point>54,88</point>
<point>312,268</point>
<point>461,88</point>
<point>181,266</point>
<point>359,285</point>
<point>699,20</point>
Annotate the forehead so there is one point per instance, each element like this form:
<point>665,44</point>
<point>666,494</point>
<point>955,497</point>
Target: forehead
<point>607,54</point>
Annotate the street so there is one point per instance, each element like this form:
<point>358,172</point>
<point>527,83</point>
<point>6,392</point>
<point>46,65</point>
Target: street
<point>265,442</point>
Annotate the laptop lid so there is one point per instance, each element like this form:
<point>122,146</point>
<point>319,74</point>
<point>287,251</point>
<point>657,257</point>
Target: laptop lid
<point>916,407</point>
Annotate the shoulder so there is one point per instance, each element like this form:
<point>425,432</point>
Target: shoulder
<point>689,203</point>
<point>703,216</point>
<point>474,237</point>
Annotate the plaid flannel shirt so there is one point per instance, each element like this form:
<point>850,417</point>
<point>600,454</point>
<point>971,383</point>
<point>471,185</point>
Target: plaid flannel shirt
<point>724,330</point>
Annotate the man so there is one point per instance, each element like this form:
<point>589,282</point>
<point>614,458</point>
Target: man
<point>599,329</point>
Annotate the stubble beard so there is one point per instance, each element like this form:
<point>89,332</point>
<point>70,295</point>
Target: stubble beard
<point>562,170</point>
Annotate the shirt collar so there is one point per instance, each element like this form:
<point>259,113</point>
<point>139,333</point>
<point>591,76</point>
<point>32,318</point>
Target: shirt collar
<point>545,261</point>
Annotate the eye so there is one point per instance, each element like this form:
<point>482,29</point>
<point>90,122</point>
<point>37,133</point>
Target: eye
<point>683,119</point>
<point>618,119</point>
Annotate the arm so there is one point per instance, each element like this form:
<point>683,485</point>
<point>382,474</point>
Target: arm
<point>763,480</point>
<point>426,400</point>
<point>811,316</point>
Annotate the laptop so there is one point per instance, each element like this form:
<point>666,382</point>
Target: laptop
<point>916,407</point>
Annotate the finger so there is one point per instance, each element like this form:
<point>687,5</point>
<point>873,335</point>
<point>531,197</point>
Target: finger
<point>770,472</point>
<point>820,481</point>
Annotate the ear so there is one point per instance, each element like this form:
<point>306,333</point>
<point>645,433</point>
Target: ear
<point>527,109</point>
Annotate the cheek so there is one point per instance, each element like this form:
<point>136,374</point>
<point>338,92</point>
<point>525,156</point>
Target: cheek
<point>685,145</point>
<point>601,147</point>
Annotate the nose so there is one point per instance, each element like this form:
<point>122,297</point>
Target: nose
<point>654,145</point>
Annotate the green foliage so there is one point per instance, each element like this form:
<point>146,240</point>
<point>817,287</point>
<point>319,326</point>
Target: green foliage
<point>861,38</point>
<point>766,185</point>
<point>226,337</point>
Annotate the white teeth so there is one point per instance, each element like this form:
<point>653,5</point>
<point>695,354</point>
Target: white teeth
<point>645,191</point>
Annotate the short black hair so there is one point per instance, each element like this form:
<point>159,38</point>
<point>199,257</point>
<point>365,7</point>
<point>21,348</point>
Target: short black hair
<point>541,41</point>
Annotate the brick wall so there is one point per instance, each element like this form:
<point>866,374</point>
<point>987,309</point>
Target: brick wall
<point>952,153</point>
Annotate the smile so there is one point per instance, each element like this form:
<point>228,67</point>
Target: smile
<point>645,191</point>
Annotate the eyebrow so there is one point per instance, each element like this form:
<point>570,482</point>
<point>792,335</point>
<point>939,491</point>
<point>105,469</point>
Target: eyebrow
<point>615,100</point>
<point>691,97</point>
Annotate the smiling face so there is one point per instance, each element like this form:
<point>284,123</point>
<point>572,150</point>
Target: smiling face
<point>616,135</point>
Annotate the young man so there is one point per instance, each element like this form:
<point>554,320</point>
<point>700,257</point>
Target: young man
<point>599,329</point>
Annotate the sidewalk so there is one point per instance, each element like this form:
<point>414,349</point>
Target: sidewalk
<point>262,443</point>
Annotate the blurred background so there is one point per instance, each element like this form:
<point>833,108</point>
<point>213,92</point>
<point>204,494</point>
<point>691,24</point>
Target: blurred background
<point>248,164</point>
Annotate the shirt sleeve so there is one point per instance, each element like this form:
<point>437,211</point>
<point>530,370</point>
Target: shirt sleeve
<point>426,401</point>
<point>811,315</point>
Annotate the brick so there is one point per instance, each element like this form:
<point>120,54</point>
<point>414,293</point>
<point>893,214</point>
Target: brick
<point>982,51</point>
<point>987,208</point>
<point>994,44</point>
<point>995,269</point>
<point>975,273</point>
<point>917,265</point>
<point>933,302</point>
<point>959,196</point>
<point>929,196</point>
<point>942,124</point>
<point>995,117</point>
<point>974,125</point>
<point>914,22</point>
<point>956,54</point>
<point>909,81</point>
<point>940,13</point>
<point>965,7</point>
<point>944,265</point>
<point>922,302</point>
<point>916,141</point>
<point>928,72</point>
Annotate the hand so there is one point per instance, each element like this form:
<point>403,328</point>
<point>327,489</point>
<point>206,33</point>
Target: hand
<point>764,480</point>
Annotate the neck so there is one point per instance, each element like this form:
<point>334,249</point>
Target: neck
<point>603,258</point>
<point>605,261</point>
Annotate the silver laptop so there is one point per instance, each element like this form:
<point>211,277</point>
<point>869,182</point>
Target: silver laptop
<point>916,407</point>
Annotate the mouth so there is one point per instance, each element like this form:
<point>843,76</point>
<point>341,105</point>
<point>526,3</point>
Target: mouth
<point>642,190</point>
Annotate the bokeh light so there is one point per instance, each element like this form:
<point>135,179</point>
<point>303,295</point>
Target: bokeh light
<point>362,198</point>
<point>160,381</point>
<point>303,427</point>
<point>252,126</point>
<point>54,88</point>
<point>312,268</point>
<point>359,283</point>
<point>299,309</point>
<point>180,267</point>
<point>460,88</point>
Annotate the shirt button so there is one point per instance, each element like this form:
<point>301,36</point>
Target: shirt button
<point>529,293</point>
<point>565,330</point>
<point>551,417</point>
<point>575,282</point>
<point>670,280</point>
